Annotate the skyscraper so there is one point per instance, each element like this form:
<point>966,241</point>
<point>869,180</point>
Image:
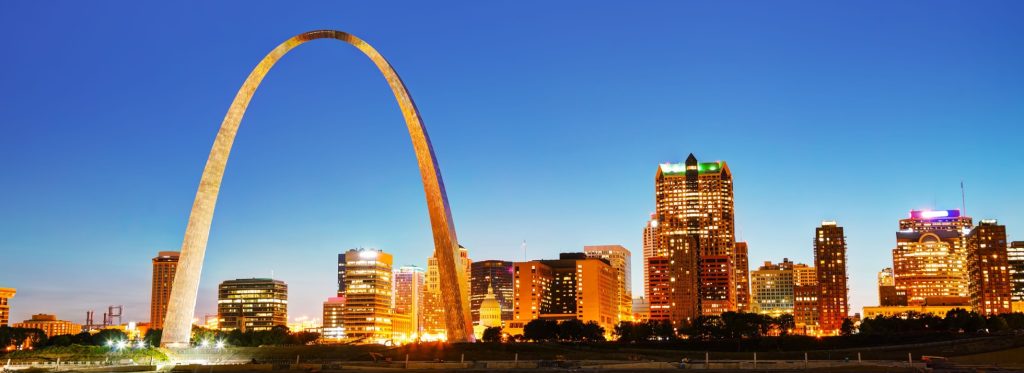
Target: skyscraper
<point>433,307</point>
<point>649,250</point>
<point>5,308</point>
<point>830,263</point>
<point>252,304</point>
<point>368,291</point>
<point>341,275</point>
<point>888,295</point>
<point>988,269</point>
<point>409,290</point>
<point>165,264</point>
<point>1015,259</point>
<point>619,257</point>
<point>930,258</point>
<point>742,277</point>
<point>494,274</point>
<point>696,236</point>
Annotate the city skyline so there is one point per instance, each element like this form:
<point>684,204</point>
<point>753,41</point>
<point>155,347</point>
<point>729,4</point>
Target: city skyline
<point>106,224</point>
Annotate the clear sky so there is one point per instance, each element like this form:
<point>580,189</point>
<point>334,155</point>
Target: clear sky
<point>548,120</point>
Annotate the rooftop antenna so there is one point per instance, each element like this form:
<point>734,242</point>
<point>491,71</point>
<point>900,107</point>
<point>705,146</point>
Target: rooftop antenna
<point>963,199</point>
<point>524,251</point>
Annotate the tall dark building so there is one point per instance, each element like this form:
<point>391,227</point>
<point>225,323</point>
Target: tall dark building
<point>988,269</point>
<point>495,273</point>
<point>341,275</point>
<point>830,261</point>
<point>252,304</point>
<point>742,277</point>
<point>696,235</point>
<point>1015,258</point>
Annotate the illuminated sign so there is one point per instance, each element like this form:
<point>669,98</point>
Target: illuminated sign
<point>931,214</point>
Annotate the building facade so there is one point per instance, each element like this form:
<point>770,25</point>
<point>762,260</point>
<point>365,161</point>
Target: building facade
<point>888,294</point>
<point>433,307</point>
<point>830,264</point>
<point>650,244</point>
<point>5,306</point>
<point>988,269</point>
<point>1015,259</point>
<point>334,326</point>
<point>410,282</point>
<point>494,274</point>
<point>50,325</point>
<point>367,315</point>
<point>571,287</point>
<point>619,257</point>
<point>252,304</point>
<point>930,258</point>
<point>742,277</point>
<point>772,289</point>
<point>165,265</point>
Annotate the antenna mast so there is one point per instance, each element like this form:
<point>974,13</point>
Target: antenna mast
<point>524,251</point>
<point>963,199</point>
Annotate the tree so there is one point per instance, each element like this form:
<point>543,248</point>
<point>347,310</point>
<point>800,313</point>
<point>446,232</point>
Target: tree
<point>492,334</point>
<point>107,337</point>
<point>785,323</point>
<point>592,331</point>
<point>153,337</point>
<point>570,330</point>
<point>663,330</point>
<point>540,330</point>
<point>60,340</point>
<point>847,327</point>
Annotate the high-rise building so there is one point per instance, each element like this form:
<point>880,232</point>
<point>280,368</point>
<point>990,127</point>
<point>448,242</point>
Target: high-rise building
<point>494,274</point>
<point>930,258</point>
<point>888,295</point>
<point>1015,259</point>
<point>341,275</point>
<point>409,285</point>
<point>696,236</point>
<point>988,269</point>
<point>571,287</point>
<point>367,315</point>
<point>830,264</point>
<point>433,306</point>
<point>619,257</point>
<point>252,304</point>
<point>805,308</point>
<point>641,309</point>
<point>650,248</point>
<point>742,277</point>
<point>334,327</point>
<point>5,308</point>
<point>772,288</point>
<point>164,266</point>
<point>50,325</point>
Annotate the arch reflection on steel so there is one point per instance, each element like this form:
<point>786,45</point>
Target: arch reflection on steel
<point>178,324</point>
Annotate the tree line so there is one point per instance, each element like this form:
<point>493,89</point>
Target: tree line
<point>956,321</point>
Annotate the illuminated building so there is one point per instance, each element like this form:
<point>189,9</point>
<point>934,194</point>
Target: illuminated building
<point>930,258</point>
<point>434,324</point>
<point>805,308</point>
<point>181,306</point>
<point>888,294</point>
<point>934,306</point>
<point>368,291</point>
<point>619,257</point>
<point>772,288</point>
<point>164,265</point>
<point>252,304</point>
<point>5,308</point>
<point>487,274</point>
<point>341,275</point>
<point>50,325</point>
<point>830,264</point>
<point>641,309</point>
<point>489,313</point>
<point>742,277</point>
<point>650,244</point>
<point>571,287</point>
<point>988,269</point>
<point>334,327</point>
<point>1015,260</point>
<point>696,235</point>
<point>409,289</point>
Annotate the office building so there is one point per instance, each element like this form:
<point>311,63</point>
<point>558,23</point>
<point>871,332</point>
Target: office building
<point>1015,259</point>
<point>619,257</point>
<point>888,294</point>
<point>367,315</point>
<point>571,287</point>
<point>5,306</point>
<point>49,325</point>
<point>742,277</point>
<point>165,264</point>
<point>433,306</point>
<point>494,274</point>
<point>252,304</point>
<point>930,258</point>
<point>650,244</point>
<point>409,289</point>
<point>988,269</point>
<point>830,265</point>
<point>334,327</point>
<point>772,289</point>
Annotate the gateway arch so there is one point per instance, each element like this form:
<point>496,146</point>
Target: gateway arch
<point>178,323</point>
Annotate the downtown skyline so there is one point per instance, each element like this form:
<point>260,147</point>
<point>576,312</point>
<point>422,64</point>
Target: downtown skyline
<point>280,214</point>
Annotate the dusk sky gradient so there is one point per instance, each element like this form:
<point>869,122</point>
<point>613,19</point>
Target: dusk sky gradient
<point>548,121</point>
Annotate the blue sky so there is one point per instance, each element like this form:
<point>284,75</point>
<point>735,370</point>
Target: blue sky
<point>548,120</point>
